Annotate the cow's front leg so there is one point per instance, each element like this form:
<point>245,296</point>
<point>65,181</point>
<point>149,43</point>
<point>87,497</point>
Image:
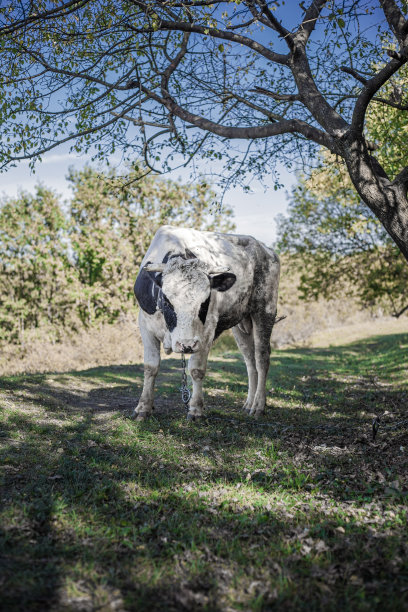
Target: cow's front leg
<point>151,347</point>
<point>197,367</point>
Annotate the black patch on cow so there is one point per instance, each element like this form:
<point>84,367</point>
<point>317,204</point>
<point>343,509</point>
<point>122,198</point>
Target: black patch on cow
<point>166,257</point>
<point>158,277</point>
<point>202,315</point>
<point>226,321</point>
<point>147,290</point>
<point>170,316</point>
<point>190,254</point>
<point>186,255</point>
<point>222,282</point>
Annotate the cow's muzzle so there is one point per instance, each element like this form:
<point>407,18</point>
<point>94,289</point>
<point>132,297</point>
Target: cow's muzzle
<point>187,346</point>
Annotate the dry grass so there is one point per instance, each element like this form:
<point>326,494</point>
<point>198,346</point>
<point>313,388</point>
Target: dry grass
<point>320,324</point>
<point>355,331</point>
<point>105,345</point>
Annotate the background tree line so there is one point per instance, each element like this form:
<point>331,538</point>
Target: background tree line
<point>65,266</point>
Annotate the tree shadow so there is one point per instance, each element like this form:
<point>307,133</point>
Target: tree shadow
<point>87,506</point>
<point>91,514</point>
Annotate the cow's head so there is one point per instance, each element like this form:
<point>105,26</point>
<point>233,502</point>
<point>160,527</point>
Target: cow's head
<point>184,298</point>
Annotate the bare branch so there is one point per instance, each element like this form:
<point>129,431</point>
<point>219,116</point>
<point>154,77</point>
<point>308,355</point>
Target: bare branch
<point>183,26</point>
<point>284,126</point>
<point>354,73</point>
<point>264,111</point>
<point>371,87</point>
<point>81,75</point>
<point>140,121</point>
<point>64,10</point>
<point>275,95</point>
<point>401,107</point>
<point>274,23</point>
<point>309,21</point>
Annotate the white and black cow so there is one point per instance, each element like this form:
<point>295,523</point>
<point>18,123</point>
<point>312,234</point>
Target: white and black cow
<point>194,285</point>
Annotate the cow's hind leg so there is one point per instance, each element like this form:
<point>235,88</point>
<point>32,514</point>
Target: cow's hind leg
<point>245,342</point>
<point>197,367</point>
<point>151,347</point>
<point>262,330</point>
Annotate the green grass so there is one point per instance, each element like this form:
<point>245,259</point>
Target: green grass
<point>299,510</point>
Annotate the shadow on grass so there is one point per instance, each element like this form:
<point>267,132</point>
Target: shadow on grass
<point>91,522</point>
<point>99,511</point>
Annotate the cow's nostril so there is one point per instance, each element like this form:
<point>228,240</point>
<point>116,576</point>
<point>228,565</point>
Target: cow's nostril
<point>188,347</point>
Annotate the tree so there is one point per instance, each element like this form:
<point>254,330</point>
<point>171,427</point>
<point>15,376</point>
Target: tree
<point>340,249</point>
<point>339,246</point>
<point>177,79</point>
<point>35,276</point>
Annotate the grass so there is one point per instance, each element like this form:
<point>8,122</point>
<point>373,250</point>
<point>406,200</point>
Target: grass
<point>299,510</point>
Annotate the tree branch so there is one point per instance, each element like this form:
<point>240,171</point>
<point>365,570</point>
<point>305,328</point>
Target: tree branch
<point>277,26</point>
<point>354,74</point>
<point>73,5</point>
<point>401,312</point>
<point>141,122</point>
<point>309,22</point>
<point>371,87</point>
<point>275,95</point>
<point>183,26</point>
<point>401,180</point>
<point>285,126</point>
<point>395,19</point>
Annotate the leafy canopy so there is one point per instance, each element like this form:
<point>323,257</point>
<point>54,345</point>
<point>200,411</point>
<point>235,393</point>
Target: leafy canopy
<point>177,79</point>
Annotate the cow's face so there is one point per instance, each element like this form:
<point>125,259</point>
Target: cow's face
<point>186,288</point>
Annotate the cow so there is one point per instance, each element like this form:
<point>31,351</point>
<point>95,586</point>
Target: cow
<point>192,286</point>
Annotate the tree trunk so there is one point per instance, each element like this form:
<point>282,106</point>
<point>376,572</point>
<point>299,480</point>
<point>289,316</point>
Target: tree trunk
<point>387,200</point>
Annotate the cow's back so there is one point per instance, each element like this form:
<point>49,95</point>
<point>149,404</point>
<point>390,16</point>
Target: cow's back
<point>214,248</point>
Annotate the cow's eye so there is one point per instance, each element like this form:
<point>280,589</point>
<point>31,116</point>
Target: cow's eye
<point>202,315</point>
<point>170,316</point>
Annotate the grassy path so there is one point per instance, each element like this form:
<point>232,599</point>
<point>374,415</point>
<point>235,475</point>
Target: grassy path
<point>299,510</point>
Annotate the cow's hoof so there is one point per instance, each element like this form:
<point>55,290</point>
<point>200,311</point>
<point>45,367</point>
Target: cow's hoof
<point>140,416</point>
<point>247,406</point>
<point>194,417</point>
<point>255,414</point>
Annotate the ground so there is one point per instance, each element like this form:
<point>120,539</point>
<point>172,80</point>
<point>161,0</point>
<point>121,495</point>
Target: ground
<point>299,510</point>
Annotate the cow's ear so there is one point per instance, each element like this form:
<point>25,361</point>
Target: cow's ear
<point>222,282</point>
